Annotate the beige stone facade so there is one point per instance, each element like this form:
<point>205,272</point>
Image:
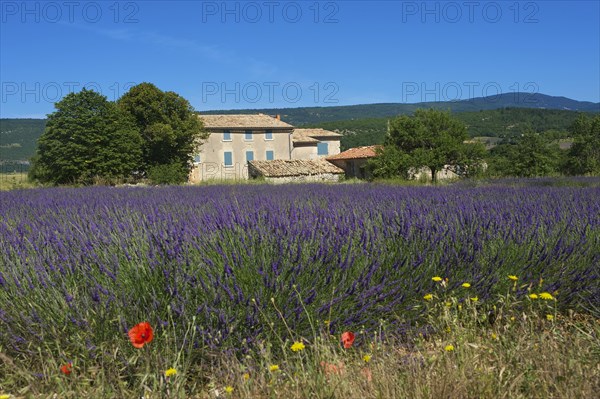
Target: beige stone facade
<point>314,143</point>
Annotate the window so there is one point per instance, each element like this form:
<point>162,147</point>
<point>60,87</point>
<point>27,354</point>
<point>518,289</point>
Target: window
<point>269,135</point>
<point>322,149</point>
<point>270,155</point>
<point>228,158</point>
<point>226,135</point>
<point>249,155</point>
<point>248,135</point>
<point>197,158</point>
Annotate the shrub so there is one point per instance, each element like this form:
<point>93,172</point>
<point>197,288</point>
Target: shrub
<point>172,173</point>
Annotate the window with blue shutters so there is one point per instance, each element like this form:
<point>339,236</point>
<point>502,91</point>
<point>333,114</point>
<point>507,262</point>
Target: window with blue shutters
<point>248,135</point>
<point>270,156</point>
<point>226,135</point>
<point>269,135</point>
<point>228,158</point>
<point>322,149</point>
<point>197,158</point>
<point>249,156</point>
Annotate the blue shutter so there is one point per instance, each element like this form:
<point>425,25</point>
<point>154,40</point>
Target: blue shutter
<point>228,158</point>
<point>322,149</point>
<point>226,135</point>
<point>270,155</point>
<point>269,135</point>
<point>249,156</point>
<point>197,158</point>
<point>248,135</point>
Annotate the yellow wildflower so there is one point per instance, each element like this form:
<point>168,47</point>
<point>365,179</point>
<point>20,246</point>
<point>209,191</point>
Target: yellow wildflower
<point>466,285</point>
<point>327,322</point>
<point>246,376</point>
<point>448,304</point>
<point>229,389</point>
<point>546,295</point>
<point>448,329</point>
<point>273,368</point>
<point>513,277</point>
<point>494,336</point>
<point>549,317</point>
<point>475,299</point>
<point>4,396</point>
<point>170,372</point>
<point>449,348</point>
<point>297,346</point>
<point>436,279</point>
<point>533,296</point>
<point>428,297</point>
<point>367,358</point>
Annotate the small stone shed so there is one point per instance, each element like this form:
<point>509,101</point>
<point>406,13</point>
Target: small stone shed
<point>354,160</point>
<point>295,170</point>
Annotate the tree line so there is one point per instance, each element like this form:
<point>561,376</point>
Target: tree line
<point>535,154</point>
<point>147,133</point>
<point>499,123</point>
<point>436,140</point>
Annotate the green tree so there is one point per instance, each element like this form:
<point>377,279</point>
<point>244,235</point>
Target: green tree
<point>434,139</point>
<point>87,137</point>
<point>531,156</point>
<point>389,162</point>
<point>584,155</point>
<point>170,129</point>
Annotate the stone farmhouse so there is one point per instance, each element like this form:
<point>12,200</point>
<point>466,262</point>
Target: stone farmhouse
<point>236,140</point>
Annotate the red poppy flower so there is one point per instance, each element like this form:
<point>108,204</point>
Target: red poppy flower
<point>348,339</point>
<point>66,369</point>
<point>141,334</point>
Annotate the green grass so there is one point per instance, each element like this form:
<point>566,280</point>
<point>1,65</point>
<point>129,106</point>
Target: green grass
<point>525,349</point>
<point>15,181</point>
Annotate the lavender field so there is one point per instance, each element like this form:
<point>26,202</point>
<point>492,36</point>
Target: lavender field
<point>227,268</point>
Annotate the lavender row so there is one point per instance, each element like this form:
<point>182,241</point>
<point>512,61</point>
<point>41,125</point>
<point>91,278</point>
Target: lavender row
<point>82,266</point>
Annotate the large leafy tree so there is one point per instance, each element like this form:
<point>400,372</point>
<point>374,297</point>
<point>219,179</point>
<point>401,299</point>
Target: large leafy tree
<point>434,139</point>
<point>530,155</point>
<point>87,137</point>
<point>169,127</point>
<point>390,162</point>
<point>533,156</point>
<point>584,155</point>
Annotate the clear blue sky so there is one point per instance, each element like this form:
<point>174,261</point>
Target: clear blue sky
<point>288,54</point>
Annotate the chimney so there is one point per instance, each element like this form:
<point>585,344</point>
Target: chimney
<point>278,117</point>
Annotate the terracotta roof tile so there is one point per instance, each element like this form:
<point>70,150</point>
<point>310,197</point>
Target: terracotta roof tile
<point>309,135</point>
<point>293,167</point>
<point>357,153</point>
<point>254,121</point>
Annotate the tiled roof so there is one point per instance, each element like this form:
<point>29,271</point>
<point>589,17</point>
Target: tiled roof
<point>254,121</point>
<point>293,167</point>
<point>356,153</point>
<point>309,135</point>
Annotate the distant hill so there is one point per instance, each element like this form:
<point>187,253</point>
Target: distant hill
<point>18,140</point>
<point>314,115</point>
<point>506,122</point>
<point>494,116</point>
